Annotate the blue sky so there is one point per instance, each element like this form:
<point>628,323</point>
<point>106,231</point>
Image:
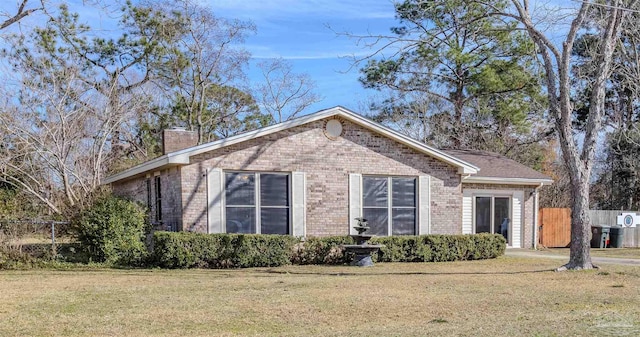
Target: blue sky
<point>296,30</point>
<point>299,31</point>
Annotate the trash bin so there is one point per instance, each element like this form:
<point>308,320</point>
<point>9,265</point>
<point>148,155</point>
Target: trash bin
<point>616,236</point>
<point>600,236</point>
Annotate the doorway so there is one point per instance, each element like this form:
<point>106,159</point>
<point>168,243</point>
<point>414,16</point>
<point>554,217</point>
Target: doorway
<point>492,215</point>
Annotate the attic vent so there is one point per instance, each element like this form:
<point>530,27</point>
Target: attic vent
<point>333,129</point>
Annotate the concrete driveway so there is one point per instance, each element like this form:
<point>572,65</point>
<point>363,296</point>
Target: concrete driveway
<point>596,260</point>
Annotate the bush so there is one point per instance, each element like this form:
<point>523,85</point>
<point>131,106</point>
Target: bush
<point>113,230</point>
<point>324,250</point>
<point>188,250</point>
<point>402,249</point>
<point>13,259</point>
<point>195,250</point>
<point>439,248</point>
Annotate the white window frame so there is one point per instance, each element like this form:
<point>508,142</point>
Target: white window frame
<point>258,204</point>
<point>390,206</point>
<point>493,197</point>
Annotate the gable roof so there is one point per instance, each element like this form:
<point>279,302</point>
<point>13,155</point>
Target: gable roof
<point>498,169</point>
<point>182,157</point>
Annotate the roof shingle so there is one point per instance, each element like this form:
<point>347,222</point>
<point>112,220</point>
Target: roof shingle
<point>493,165</point>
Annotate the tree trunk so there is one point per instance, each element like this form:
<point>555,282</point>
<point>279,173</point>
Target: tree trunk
<point>458,107</point>
<point>580,256</point>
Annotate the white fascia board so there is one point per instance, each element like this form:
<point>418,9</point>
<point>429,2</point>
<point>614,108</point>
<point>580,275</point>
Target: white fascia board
<point>166,160</point>
<point>192,151</point>
<point>466,171</point>
<point>506,181</point>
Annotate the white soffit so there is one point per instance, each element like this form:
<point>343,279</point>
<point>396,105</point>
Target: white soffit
<point>506,181</point>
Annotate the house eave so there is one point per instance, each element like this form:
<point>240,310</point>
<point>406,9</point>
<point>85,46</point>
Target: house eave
<point>506,181</point>
<point>163,162</point>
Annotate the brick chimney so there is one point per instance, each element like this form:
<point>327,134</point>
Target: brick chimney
<point>176,139</point>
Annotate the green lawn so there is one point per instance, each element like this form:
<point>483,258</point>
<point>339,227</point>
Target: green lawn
<point>503,297</point>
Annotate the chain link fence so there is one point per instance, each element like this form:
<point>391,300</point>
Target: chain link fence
<point>37,238</point>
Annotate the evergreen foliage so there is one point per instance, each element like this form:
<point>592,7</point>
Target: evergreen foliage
<point>113,230</point>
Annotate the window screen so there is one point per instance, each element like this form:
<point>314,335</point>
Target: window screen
<point>376,204</point>
<point>403,206</point>
<point>257,202</point>
<point>389,205</point>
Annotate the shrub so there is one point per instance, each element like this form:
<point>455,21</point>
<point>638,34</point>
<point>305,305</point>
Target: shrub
<point>438,248</point>
<point>14,259</point>
<point>195,250</point>
<point>113,230</point>
<point>188,250</point>
<point>402,249</point>
<point>323,250</point>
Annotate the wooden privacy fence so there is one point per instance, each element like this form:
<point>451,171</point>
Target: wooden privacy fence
<point>554,226</point>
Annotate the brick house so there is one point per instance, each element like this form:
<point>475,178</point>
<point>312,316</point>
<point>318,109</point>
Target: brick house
<point>312,176</point>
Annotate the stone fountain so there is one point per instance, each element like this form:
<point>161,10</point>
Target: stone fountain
<point>362,249</point>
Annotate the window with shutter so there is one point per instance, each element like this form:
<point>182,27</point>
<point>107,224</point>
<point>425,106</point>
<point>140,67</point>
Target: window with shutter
<point>257,202</point>
<point>389,205</point>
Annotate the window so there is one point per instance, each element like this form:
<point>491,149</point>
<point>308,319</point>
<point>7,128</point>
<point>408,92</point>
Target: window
<point>149,200</point>
<point>389,205</point>
<point>492,215</point>
<point>257,202</point>
<point>158,199</point>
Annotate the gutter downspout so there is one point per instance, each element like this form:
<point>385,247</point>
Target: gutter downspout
<point>535,217</point>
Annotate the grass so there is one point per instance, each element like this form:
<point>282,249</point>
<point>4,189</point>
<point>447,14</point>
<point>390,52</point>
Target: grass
<point>627,253</point>
<point>502,297</point>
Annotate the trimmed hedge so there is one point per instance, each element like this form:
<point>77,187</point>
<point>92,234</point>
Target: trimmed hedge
<point>189,250</point>
<point>324,250</point>
<point>439,248</point>
<point>195,250</point>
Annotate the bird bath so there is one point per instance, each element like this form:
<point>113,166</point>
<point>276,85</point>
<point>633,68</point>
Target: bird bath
<point>362,249</point>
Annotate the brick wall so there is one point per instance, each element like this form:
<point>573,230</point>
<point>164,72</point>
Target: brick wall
<point>527,208</point>
<point>136,189</point>
<point>327,164</point>
<point>178,139</point>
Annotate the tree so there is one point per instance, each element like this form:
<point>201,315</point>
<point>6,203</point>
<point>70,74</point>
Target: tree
<point>114,67</point>
<point>478,66</point>
<point>75,99</point>
<point>617,185</point>
<point>203,75</point>
<point>58,134</point>
<point>284,94</point>
<point>21,12</point>
<point>223,112</point>
<point>605,21</point>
